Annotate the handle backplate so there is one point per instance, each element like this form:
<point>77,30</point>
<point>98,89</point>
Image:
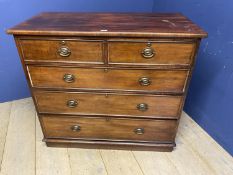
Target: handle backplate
<point>75,128</point>
<point>139,131</point>
<point>142,107</point>
<point>64,51</point>
<point>72,103</point>
<point>69,78</point>
<point>144,81</point>
<point>148,52</point>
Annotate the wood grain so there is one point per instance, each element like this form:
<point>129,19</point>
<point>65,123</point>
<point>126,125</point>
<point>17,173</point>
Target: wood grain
<point>196,152</point>
<point>110,144</point>
<point>19,152</point>
<point>81,51</point>
<point>103,54</point>
<point>193,163</point>
<point>155,163</point>
<point>50,161</point>
<point>108,104</point>
<point>164,81</point>
<point>5,110</point>
<point>165,53</point>
<point>120,162</point>
<point>86,162</point>
<point>93,128</point>
<point>205,147</point>
<point>109,24</point>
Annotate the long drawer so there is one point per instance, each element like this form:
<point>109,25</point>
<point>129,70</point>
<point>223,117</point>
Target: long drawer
<point>108,128</point>
<point>108,104</point>
<point>56,50</point>
<point>173,81</point>
<point>151,53</point>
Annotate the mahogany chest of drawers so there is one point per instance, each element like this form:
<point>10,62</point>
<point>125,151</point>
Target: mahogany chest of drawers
<point>111,80</point>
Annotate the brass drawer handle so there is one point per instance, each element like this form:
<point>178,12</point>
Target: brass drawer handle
<point>72,103</point>
<point>69,78</point>
<point>142,107</point>
<point>76,128</point>
<point>64,51</point>
<point>139,131</point>
<point>148,52</point>
<point>144,81</point>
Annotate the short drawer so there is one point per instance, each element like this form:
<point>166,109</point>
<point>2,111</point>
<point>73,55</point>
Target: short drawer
<point>97,128</point>
<point>80,51</point>
<point>170,81</point>
<point>108,104</point>
<point>152,53</point>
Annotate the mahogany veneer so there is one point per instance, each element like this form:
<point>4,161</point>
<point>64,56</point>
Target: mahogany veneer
<point>108,80</point>
<point>164,81</point>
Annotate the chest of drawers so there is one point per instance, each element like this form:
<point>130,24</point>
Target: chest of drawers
<point>108,80</point>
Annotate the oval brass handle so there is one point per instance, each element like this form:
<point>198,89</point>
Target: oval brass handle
<point>69,78</point>
<point>142,107</point>
<point>148,52</point>
<point>72,103</point>
<point>139,131</point>
<point>64,51</point>
<point>144,81</point>
<point>76,128</point>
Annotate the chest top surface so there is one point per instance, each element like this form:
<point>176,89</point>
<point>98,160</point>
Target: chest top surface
<point>109,24</point>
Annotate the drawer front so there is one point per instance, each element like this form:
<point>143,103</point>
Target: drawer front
<point>153,54</point>
<point>82,51</point>
<point>108,128</point>
<point>131,80</point>
<point>108,104</point>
